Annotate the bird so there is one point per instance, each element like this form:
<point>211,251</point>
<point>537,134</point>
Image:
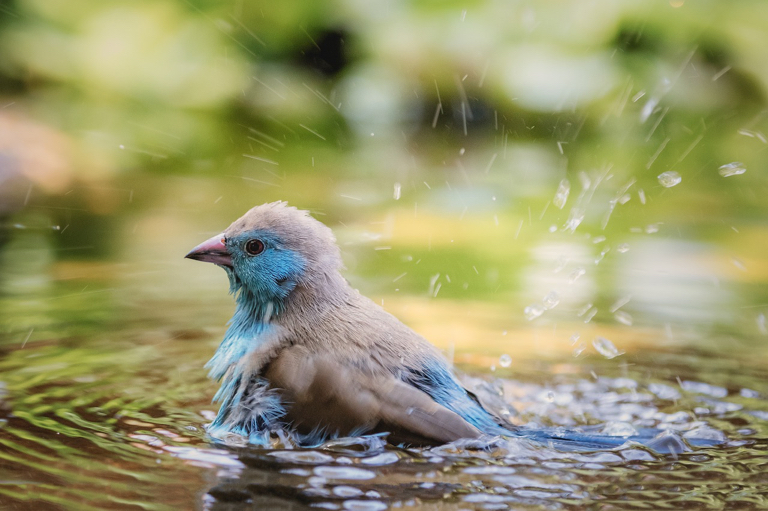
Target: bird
<point>308,353</point>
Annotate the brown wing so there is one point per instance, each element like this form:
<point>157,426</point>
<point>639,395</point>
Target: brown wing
<point>322,393</point>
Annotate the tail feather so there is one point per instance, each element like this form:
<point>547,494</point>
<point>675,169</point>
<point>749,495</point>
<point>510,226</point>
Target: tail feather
<point>661,441</point>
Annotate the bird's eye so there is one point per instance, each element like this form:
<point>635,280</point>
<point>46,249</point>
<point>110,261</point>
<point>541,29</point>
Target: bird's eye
<point>254,247</point>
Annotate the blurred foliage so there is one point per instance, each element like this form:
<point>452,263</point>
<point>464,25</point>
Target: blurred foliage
<point>143,82</point>
<point>473,111</point>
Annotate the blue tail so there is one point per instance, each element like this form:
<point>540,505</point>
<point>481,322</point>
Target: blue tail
<point>437,381</point>
<point>663,442</point>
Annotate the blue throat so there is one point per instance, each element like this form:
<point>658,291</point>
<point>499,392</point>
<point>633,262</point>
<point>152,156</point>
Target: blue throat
<point>245,332</point>
<point>248,329</point>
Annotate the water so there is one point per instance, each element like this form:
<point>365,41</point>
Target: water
<point>551,300</point>
<point>605,347</point>
<point>508,198</point>
<point>623,318</point>
<point>669,179</point>
<point>106,329</point>
<point>561,196</point>
<point>533,311</point>
<point>732,169</point>
<point>79,419</point>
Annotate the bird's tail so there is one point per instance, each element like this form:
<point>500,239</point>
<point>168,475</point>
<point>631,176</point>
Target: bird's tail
<point>590,439</point>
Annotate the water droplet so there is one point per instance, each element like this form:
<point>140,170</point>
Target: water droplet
<point>624,198</point>
<point>652,228</point>
<point>397,191</point>
<point>533,311</point>
<point>648,108</point>
<point>669,179</point>
<point>602,255</point>
<point>575,274</point>
<point>584,309</point>
<point>623,317</point>
<point>584,179</point>
<point>624,247</point>
<point>561,196</point>
<point>641,196</point>
<point>574,220</point>
<point>551,300</point>
<point>605,347</point>
<point>732,169</point>
<point>579,349</point>
<point>761,324</point>
<point>574,338</point>
<point>505,360</point>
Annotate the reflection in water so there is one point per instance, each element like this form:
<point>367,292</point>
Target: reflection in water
<point>677,281</point>
<point>511,473</point>
<point>82,436</point>
<point>104,335</point>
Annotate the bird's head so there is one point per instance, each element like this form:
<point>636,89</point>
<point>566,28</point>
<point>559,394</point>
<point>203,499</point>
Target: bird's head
<point>272,250</point>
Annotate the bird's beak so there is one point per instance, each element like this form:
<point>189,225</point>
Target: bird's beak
<point>212,251</point>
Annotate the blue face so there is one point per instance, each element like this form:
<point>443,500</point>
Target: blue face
<point>262,266</point>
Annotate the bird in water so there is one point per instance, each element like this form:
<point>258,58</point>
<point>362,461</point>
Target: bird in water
<point>307,353</point>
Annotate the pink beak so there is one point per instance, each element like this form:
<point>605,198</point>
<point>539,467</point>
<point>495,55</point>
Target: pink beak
<point>212,251</point>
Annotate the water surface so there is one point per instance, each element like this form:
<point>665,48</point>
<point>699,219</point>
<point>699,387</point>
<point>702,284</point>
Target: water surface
<point>105,331</point>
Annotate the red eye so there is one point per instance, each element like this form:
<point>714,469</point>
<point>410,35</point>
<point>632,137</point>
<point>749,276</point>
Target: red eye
<point>254,247</point>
